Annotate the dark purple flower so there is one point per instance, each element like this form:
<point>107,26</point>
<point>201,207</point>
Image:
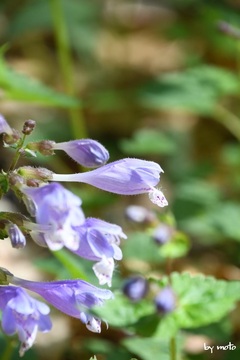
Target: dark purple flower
<point>87,152</point>
<point>57,213</point>
<point>135,288</point>
<point>23,315</point>
<point>72,297</point>
<point>99,241</point>
<point>124,177</point>
<point>165,300</point>
<point>16,236</point>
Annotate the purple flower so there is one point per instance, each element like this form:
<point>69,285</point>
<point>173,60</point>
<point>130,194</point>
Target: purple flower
<point>4,127</point>
<point>165,300</point>
<point>87,152</point>
<point>135,288</point>
<point>17,238</point>
<point>140,214</point>
<point>10,136</point>
<point>99,240</point>
<point>57,213</point>
<point>124,177</point>
<point>162,234</point>
<point>72,297</point>
<point>23,315</point>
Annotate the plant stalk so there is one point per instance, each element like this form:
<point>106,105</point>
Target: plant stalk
<point>66,66</point>
<point>173,349</point>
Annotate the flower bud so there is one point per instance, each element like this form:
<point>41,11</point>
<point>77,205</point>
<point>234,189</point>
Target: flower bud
<point>28,127</point>
<point>87,152</point>
<point>162,234</point>
<point>17,238</point>
<point>165,301</point>
<point>136,288</point>
<point>140,214</point>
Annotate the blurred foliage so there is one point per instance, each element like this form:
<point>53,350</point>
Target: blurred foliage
<point>158,80</point>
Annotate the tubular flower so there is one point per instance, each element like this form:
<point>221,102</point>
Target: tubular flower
<point>124,177</point>
<point>99,240</point>
<point>23,315</point>
<point>72,297</point>
<point>57,213</point>
<point>87,152</point>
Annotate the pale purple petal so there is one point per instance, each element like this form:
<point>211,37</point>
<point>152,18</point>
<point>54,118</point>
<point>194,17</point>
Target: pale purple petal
<point>23,315</point>
<point>60,209</point>
<point>69,296</point>
<point>4,127</point>
<point>126,176</point>
<point>87,152</point>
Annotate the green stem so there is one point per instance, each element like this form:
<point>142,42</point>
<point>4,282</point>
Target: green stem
<point>66,65</point>
<point>173,349</point>
<point>67,261</point>
<point>17,153</point>
<point>228,120</point>
<point>7,354</point>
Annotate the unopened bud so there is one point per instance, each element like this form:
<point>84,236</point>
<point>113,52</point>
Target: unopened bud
<point>162,234</point>
<point>135,288</point>
<point>28,127</point>
<point>140,214</point>
<point>16,236</point>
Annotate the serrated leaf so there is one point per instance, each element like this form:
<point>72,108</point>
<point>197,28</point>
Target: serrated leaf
<point>196,89</point>
<point>19,87</point>
<point>201,300</point>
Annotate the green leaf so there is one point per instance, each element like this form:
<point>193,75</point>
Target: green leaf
<point>225,219</point>
<point>178,246</point>
<point>121,312</point>
<point>19,87</point>
<point>4,185</point>
<point>148,348</point>
<point>72,263</point>
<point>196,89</point>
<point>199,192</point>
<point>141,246</point>
<point>201,300</point>
<point>148,141</point>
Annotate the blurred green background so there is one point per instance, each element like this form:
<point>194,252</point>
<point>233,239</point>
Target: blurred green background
<point>158,80</point>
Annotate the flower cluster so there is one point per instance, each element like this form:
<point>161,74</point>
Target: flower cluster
<point>57,221</point>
